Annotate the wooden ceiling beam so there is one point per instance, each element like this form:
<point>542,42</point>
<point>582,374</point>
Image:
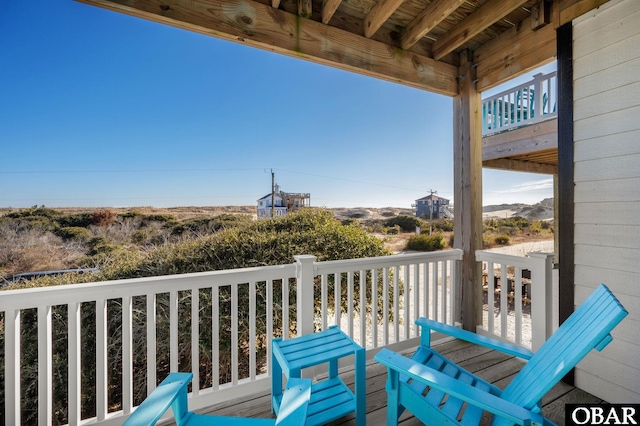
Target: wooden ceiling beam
<point>568,10</point>
<point>485,16</point>
<point>329,7</point>
<point>378,14</point>
<point>514,52</point>
<point>258,25</point>
<point>427,20</point>
<point>521,166</point>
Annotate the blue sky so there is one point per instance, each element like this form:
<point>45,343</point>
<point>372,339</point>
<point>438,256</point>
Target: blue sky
<point>102,109</point>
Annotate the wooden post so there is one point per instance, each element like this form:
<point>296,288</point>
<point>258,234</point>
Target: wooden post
<point>305,294</point>
<point>565,224</point>
<point>467,171</point>
<point>542,298</point>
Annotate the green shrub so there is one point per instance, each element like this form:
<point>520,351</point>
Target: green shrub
<point>502,240</point>
<point>406,223</point>
<point>130,215</point>
<point>100,245</point>
<point>75,220</point>
<point>393,230</point>
<point>161,218</point>
<point>424,242</point>
<point>34,211</point>
<point>209,225</point>
<point>75,233</point>
<point>443,225</point>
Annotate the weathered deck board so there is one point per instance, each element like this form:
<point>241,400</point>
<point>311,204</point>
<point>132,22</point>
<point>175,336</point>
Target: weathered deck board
<point>490,365</point>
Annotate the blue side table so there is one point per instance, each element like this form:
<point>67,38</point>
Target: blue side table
<point>330,398</point>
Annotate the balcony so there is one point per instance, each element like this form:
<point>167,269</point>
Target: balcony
<point>120,338</point>
<point>519,127</point>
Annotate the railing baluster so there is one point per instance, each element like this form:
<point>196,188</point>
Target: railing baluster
<point>252,330</point>
<point>101,359</point>
<point>234,334</point>
<point>350,304</point>
<point>45,377</point>
<point>453,318</point>
<point>416,298</point>
<point>490,294</point>
<point>374,307</point>
<point>215,337</point>
<point>443,289</point>
<point>324,290</point>
<point>12,366</point>
<point>517,303</point>
<point>127,354</point>
<point>407,298</point>
<point>74,326</point>
<point>174,350</point>
<point>269,322</point>
<point>396,303</point>
<point>504,297</point>
<point>434,285</point>
<point>385,306</point>
<point>151,342</point>
<point>337,297</point>
<point>285,309</point>
<point>425,289</point>
<point>195,341</point>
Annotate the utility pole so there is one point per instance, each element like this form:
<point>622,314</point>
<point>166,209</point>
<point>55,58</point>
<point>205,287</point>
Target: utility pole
<point>431,209</point>
<point>273,191</point>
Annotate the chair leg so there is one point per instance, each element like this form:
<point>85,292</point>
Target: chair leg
<point>393,398</point>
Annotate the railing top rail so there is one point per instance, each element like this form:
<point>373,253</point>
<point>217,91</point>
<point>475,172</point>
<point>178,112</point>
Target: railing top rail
<point>76,293</point>
<point>347,265</point>
<point>508,259</point>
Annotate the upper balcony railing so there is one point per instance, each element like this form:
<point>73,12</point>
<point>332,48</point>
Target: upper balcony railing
<point>528,103</point>
<point>91,352</point>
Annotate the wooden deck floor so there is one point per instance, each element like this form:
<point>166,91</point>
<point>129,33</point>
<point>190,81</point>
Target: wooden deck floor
<point>490,365</point>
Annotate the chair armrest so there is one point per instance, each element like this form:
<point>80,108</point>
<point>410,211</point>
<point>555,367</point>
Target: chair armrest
<point>484,400</point>
<point>295,402</point>
<point>474,338</point>
<point>159,401</point>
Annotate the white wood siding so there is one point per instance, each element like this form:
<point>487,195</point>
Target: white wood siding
<point>607,186</point>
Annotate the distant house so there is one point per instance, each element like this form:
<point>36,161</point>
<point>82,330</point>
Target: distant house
<point>433,207</point>
<point>283,203</point>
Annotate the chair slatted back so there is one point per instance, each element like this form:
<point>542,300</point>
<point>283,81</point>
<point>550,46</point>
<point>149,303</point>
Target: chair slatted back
<point>587,328</point>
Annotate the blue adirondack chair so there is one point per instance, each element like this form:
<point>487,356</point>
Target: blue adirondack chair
<point>437,391</point>
<point>172,392</point>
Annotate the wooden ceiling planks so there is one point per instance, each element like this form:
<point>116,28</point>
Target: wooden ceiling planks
<point>413,42</point>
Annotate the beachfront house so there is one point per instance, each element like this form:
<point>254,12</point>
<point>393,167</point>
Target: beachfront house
<point>282,202</point>
<point>432,207</point>
<point>454,48</point>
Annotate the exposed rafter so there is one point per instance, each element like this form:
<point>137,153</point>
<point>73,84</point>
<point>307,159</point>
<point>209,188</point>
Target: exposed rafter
<point>427,20</point>
<point>329,7</point>
<point>379,14</point>
<point>305,8</point>
<point>259,25</point>
<point>489,13</point>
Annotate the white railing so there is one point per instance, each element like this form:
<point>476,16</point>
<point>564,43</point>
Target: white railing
<point>113,341</point>
<point>528,103</point>
<point>517,308</point>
